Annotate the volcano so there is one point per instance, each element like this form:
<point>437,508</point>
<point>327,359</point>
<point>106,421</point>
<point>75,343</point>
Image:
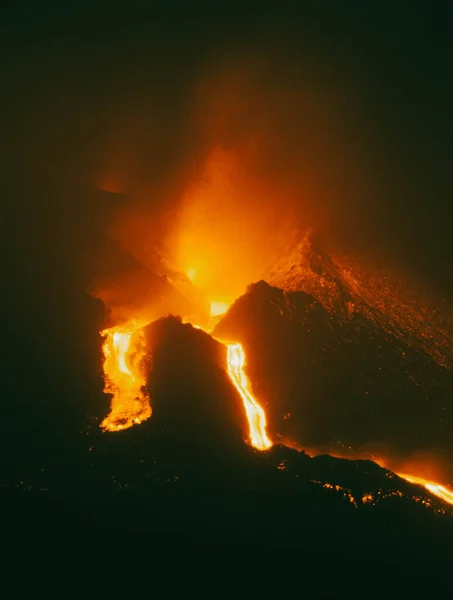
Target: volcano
<point>227,359</point>
<point>325,379</point>
<point>187,482</point>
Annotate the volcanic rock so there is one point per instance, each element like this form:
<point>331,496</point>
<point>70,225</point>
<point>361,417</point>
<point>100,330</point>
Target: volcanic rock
<point>338,384</point>
<point>185,488</point>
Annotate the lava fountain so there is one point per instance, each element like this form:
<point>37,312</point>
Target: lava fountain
<point>124,350</point>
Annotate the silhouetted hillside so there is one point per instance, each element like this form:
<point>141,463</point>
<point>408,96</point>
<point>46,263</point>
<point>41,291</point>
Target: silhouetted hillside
<point>341,384</point>
<point>183,489</point>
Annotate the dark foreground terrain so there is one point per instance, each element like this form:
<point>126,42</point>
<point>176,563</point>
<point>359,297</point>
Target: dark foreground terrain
<point>181,502</point>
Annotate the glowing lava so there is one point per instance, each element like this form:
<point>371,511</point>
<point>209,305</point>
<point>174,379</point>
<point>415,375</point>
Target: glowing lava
<point>218,308</point>
<point>124,350</point>
<point>255,414</point>
<point>191,274</point>
<point>434,488</point>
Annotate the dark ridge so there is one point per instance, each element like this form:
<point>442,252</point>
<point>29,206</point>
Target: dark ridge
<point>183,489</point>
<point>338,384</point>
<point>193,399</point>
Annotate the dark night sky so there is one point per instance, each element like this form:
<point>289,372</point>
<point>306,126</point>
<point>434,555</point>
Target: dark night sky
<point>85,83</point>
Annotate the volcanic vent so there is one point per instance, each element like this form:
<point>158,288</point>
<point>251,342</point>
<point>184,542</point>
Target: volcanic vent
<point>318,377</point>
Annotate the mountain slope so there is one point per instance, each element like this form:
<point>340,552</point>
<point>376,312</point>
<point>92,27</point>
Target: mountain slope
<point>338,384</point>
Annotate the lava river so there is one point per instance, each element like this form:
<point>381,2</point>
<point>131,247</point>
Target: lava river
<point>125,380</point>
<point>124,351</point>
<point>255,413</point>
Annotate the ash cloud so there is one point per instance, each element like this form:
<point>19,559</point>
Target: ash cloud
<point>275,130</point>
<point>263,153</point>
<point>318,118</point>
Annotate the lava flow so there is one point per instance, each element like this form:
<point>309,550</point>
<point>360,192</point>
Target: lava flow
<point>256,416</point>
<point>124,350</point>
<point>434,488</point>
<point>255,413</point>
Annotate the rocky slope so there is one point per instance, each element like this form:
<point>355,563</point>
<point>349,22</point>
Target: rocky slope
<point>338,384</point>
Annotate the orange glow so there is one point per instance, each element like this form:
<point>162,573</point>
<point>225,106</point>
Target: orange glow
<point>124,350</point>
<point>434,488</point>
<point>384,297</point>
<point>229,229</point>
<point>431,486</point>
<point>255,413</point>
<point>191,274</point>
<point>256,416</point>
<point>218,308</point>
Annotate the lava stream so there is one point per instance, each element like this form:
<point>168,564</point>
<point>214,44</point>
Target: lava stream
<point>255,413</point>
<point>124,350</point>
<point>434,488</point>
<point>256,416</point>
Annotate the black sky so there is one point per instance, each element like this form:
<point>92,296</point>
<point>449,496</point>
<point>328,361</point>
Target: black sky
<point>86,85</point>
